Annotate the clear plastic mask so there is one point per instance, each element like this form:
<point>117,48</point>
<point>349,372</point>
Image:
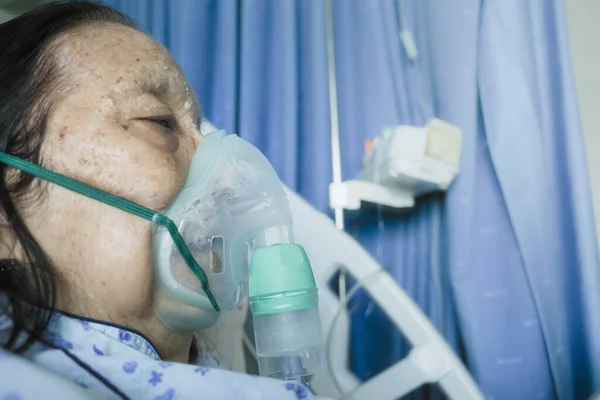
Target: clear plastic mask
<point>232,203</point>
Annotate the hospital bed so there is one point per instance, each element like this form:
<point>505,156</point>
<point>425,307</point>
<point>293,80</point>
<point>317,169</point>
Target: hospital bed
<point>431,360</point>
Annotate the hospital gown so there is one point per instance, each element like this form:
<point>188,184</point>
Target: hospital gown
<point>123,361</point>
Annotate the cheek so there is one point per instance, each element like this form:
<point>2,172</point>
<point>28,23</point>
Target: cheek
<point>102,254</point>
<point>119,162</point>
<point>125,284</point>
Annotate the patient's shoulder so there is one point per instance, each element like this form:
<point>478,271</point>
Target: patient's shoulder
<point>21,379</point>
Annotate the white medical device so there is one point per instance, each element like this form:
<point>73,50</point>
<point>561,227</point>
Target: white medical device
<point>404,162</point>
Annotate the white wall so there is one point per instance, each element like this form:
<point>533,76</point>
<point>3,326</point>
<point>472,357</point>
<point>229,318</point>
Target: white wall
<point>584,28</point>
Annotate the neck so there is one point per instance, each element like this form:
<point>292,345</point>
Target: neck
<point>170,346</point>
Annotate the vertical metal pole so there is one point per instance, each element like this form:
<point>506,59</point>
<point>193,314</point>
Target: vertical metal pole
<point>336,158</point>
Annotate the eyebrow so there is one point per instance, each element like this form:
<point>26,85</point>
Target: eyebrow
<point>158,87</point>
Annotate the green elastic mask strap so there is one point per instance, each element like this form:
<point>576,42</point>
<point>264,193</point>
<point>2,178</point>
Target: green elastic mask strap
<point>120,203</point>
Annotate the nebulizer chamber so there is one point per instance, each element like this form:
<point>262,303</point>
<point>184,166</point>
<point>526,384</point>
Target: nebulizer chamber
<point>284,305</point>
<point>234,217</point>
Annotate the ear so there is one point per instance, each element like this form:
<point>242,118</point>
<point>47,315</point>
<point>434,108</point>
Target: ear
<point>8,239</point>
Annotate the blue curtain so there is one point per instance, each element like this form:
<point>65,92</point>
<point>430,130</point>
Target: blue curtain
<point>505,265</point>
<point>521,244</point>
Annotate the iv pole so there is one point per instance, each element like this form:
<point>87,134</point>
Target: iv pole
<point>336,157</point>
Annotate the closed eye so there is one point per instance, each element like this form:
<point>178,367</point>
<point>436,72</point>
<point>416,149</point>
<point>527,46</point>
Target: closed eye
<point>165,121</point>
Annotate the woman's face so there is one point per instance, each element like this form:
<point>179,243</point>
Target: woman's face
<point>127,123</point>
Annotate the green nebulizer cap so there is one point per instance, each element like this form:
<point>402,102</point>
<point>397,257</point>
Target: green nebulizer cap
<point>285,308</point>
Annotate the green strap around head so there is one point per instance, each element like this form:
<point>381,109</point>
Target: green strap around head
<point>120,203</point>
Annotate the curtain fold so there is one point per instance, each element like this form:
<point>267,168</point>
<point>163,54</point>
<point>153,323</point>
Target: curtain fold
<point>522,254</point>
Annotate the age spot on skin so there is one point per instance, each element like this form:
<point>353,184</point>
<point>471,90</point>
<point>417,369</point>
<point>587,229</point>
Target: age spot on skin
<point>63,132</point>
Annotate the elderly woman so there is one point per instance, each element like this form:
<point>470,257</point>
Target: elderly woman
<point>87,96</point>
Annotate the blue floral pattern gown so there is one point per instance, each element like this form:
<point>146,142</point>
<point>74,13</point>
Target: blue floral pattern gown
<point>83,359</point>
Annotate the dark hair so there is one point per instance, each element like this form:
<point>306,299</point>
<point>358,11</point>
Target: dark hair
<point>29,77</point>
